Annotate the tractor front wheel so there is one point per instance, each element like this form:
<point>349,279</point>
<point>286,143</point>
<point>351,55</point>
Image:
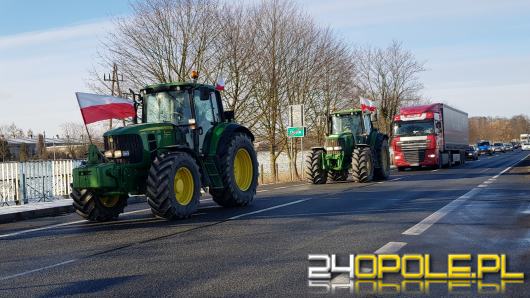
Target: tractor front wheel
<point>315,172</point>
<point>362,165</point>
<point>94,207</point>
<point>174,186</point>
<point>338,175</point>
<point>239,172</point>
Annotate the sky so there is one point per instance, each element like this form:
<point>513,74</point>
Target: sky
<point>476,53</point>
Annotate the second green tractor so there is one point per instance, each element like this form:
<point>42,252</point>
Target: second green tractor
<point>352,145</point>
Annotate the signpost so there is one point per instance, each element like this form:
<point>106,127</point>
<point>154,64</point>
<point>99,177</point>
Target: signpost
<point>296,129</point>
<point>296,132</point>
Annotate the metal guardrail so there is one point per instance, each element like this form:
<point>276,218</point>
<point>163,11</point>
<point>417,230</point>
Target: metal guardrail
<point>23,182</point>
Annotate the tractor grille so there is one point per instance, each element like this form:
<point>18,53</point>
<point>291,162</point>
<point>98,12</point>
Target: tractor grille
<point>332,143</point>
<point>131,143</point>
<point>414,156</point>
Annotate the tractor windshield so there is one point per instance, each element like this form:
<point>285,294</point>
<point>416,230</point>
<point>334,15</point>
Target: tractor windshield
<point>170,106</point>
<point>346,123</point>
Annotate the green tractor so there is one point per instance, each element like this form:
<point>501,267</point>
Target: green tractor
<point>352,144</point>
<point>185,142</point>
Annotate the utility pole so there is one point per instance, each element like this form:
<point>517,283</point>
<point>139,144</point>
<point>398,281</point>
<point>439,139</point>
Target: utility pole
<point>115,80</point>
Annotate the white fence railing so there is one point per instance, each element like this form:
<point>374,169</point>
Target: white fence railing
<point>22,182</point>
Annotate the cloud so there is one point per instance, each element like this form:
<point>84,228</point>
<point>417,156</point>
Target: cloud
<point>53,35</point>
<point>40,71</point>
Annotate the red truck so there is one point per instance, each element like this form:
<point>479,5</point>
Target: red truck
<point>434,135</point>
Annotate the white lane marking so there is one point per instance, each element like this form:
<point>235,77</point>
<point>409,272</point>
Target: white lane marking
<point>61,225</point>
<point>282,187</point>
<point>485,170</point>
<point>395,179</point>
<point>37,270</point>
<point>434,170</point>
<point>436,216</point>
<point>389,248</point>
<point>426,223</point>
<point>267,209</point>
<point>125,213</point>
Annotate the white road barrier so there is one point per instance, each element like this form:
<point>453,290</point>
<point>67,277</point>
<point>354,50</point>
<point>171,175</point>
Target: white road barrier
<point>23,182</point>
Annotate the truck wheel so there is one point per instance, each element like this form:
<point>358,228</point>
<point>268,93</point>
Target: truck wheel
<point>362,165</point>
<point>239,172</point>
<point>383,155</point>
<point>94,207</point>
<point>314,170</point>
<point>173,186</point>
<point>338,175</point>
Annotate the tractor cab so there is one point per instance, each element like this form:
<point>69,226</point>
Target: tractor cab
<point>195,109</point>
<point>352,122</point>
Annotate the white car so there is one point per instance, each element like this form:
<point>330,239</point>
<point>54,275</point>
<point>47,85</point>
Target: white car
<point>525,146</point>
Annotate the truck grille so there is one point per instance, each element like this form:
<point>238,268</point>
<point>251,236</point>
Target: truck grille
<point>409,145</point>
<point>131,143</point>
<point>414,156</point>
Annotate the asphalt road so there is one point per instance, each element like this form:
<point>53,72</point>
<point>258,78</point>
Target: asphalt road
<point>262,250</point>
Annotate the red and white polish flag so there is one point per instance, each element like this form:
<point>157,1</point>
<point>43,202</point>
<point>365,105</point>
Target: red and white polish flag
<point>95,107</point>
<point>367,104</point>
<point>220,85</point>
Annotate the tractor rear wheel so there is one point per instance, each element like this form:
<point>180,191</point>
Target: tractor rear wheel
<point>338,175</point>
<point>94,207</point>
<point>174,186</point>
<point>315,172</point>
<point>383,156</point>
<point>239,172</point>
<point>362,165</point>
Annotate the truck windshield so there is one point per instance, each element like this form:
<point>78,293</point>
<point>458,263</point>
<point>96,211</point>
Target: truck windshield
<point>350,123</point>
<point>170,106</point>
<point>484,143</point>
<point>414,128</point>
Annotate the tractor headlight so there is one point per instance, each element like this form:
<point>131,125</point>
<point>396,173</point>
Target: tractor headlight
<point>108,154</point>
<point>336,148</point>
<point>116,153</point>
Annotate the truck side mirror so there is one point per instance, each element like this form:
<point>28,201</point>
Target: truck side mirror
<point>373,117</point>
<point>228,115</point>
<point>438,125</point>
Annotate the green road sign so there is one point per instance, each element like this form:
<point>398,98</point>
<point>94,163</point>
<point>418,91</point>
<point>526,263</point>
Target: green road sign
<point>296,132</point>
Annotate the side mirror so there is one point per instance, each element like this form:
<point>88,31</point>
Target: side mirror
<point>229,115</point>
<point>439,125</point>
<point>373,117</point>
<point>205,94</point>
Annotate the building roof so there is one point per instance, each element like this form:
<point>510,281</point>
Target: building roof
<point>48,141</point>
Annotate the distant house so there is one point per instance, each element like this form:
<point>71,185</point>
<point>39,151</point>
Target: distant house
<point>52,145</point>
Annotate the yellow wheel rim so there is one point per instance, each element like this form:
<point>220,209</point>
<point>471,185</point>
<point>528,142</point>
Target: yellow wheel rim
<point>109,201</point>
<point>243,169</point>
<point>183,186</point>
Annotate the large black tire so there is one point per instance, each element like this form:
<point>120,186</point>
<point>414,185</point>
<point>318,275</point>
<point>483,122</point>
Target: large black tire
<point>383,156</point>
<point>240,180</point>
<point>362,165</point>
<point>96,208</point>
<point>315,173</point>
<point>338,175</point>
<point>174,186</point>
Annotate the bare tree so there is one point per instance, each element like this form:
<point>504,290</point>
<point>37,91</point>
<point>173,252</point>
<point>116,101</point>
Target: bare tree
<point>390,77</point>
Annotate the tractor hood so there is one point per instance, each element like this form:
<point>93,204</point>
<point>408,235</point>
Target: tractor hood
<point>143,128</point>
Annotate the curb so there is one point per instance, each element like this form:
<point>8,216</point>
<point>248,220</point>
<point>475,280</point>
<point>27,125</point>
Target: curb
<point>52,211</point>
